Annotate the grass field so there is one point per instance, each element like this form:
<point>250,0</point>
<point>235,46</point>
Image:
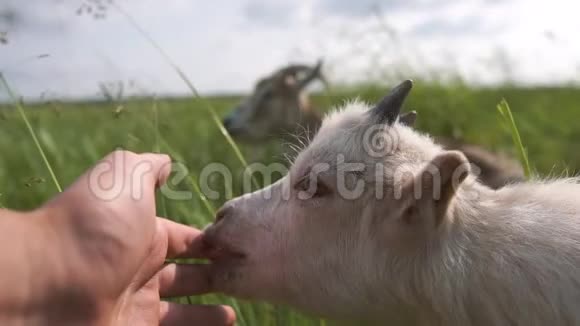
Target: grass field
<point>75,135</point>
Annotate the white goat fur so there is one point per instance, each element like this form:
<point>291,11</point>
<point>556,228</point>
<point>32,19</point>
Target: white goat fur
<point>505,257</point>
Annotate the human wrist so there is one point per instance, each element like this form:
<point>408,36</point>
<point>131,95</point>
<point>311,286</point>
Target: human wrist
<point>36,289</point>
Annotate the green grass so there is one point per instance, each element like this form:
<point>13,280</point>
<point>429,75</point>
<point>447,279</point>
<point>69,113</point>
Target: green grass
<point>20,108</point>
<point>505,111</point>
<point>73,136</point>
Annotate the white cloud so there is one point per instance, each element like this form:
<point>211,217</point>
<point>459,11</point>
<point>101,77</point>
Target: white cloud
<point>225,45</point>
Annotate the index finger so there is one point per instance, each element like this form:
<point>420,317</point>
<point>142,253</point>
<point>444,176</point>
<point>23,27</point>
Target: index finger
<point>161,166</point>
<point>182,241</point>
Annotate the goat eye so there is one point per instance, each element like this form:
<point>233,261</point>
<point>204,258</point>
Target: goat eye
<point>321,189</point>
<point>315,189</point>
<point>303,184</point>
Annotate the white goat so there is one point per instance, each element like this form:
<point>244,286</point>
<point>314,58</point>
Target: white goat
<point>376,223</point>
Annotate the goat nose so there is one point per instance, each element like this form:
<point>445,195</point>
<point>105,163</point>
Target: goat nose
<point>222,213</point>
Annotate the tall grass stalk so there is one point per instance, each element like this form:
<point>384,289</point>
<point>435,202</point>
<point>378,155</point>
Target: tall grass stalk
<point>157,149</point>
<point>19,107</point>
<point>194,181</point>
<point>215,117</point>
<point>505,111</point>
<point>154,108</point>
<point>208,206</point>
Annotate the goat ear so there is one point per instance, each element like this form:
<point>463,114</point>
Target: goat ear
<point>408,119</point>
<point>314,73</point>
<point>435,187</point>
<point>388,109</point>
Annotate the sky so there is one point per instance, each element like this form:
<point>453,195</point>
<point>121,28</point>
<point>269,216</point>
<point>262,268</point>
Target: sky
<point>52,51</point>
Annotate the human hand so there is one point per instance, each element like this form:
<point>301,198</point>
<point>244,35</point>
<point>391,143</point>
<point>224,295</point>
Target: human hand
<point>112,248</point>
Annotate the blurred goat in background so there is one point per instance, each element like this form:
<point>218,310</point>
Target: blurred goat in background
<point>280,108</point>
